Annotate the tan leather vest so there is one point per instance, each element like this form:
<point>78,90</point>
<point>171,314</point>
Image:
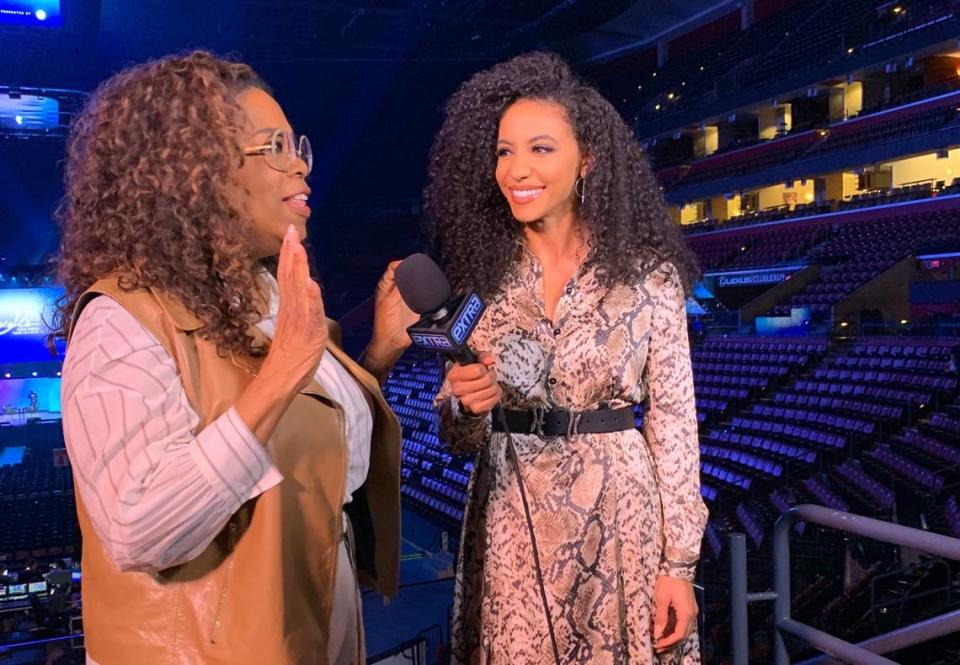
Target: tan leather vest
<point>260,593</point>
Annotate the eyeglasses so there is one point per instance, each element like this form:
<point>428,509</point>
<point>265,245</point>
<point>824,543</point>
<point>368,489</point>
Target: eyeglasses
<point>283,149</point>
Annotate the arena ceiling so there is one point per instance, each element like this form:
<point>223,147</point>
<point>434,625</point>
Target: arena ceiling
<point>366,79</point>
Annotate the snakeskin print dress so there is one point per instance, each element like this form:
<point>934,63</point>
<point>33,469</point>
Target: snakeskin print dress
<point>611,512</point>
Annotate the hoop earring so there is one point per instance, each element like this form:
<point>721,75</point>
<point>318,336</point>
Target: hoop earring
<point>582,188</point>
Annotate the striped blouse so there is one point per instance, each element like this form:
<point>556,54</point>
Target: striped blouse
<point>156,490</point>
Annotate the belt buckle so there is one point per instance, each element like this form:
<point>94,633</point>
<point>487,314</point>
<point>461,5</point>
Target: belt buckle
<point>539,416</point>
<point>573,423</point>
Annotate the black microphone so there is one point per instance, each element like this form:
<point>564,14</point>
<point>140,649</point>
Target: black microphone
<point>446,322</point>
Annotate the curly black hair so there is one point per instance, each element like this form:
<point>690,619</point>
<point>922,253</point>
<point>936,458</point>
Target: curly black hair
<point>623,210</point>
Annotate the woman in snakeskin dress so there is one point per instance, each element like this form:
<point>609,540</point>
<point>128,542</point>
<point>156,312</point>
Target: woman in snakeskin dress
<point>540,199</point>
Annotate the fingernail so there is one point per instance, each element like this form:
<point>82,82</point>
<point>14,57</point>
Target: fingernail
<point>291,231</point>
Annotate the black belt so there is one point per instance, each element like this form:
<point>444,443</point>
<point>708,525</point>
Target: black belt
<point>561,422</point>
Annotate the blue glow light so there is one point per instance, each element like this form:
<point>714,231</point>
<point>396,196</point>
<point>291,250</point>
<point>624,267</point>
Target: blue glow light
<point>44,13</point>
<point>24,316</point>
<point>28,110</point>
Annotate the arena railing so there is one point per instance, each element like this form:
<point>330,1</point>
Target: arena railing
<point>869,652</point>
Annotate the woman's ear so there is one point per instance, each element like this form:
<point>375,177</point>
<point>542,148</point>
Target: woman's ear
<point>586,164</point>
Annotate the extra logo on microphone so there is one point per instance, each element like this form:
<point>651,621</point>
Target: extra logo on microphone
<point>431,340</point>
<point>466,318</point>
<point>451,332</point>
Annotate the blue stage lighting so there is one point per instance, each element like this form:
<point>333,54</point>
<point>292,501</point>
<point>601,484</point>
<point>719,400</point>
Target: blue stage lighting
<point>18,119</point>
<point>24,316</point>
<point>44,13</point>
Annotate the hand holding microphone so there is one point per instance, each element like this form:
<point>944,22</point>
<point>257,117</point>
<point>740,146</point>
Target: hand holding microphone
<point>476,385</point>
<point>391,317</point>
<point>446,326</point>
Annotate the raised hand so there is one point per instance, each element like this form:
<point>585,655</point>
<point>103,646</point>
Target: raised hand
<point>299,342</point>
<point>301,334</point>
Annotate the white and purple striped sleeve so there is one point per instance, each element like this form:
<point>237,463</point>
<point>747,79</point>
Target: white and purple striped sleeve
<point>157,491</point>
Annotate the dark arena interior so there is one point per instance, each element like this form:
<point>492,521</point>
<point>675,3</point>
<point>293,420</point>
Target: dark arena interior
<point>808,151</point>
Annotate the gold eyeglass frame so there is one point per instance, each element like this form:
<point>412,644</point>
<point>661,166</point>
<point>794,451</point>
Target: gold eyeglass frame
<point>293,154</point>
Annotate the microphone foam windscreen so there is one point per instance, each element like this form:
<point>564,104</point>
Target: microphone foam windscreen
<point>422,284</point>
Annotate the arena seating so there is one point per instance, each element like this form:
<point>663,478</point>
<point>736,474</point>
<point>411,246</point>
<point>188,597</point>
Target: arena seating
<point>434,480</point>
<point>36,497</point>
<point>858,252</point>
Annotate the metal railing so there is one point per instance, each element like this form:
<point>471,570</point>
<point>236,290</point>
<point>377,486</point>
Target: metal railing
<point>864,653</point>
<point>414,651</point>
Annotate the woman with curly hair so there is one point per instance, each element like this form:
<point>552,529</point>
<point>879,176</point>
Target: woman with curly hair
<point>540,199</point>
<point>218,434</point>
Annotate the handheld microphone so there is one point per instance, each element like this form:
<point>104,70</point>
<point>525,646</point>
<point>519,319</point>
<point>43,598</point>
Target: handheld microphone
<point>446,322</point>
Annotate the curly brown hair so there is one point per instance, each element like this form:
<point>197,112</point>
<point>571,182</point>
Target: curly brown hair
<point>148,159</point>
<point>623,210</point>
